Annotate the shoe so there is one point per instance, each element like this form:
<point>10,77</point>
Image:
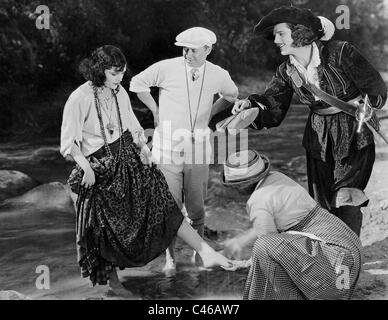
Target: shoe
<point>238,264</point>
<point>239,120</point>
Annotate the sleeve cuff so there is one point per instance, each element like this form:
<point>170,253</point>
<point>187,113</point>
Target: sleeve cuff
<point>137,89</point>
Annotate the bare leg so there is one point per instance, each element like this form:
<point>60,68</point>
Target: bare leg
<point>117,287</point>
<point>209,257</point>
<point>195,257</point>
<point>174,177</point>
<point>195,181</point>
<point>170,267</point>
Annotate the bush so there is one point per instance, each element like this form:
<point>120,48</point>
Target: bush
<point>38,63</point>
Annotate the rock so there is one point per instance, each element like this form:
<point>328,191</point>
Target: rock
<point>50,196</point>
<point>12,295</point>
<point>21,154</point>
<point>13,183</point>
<point>46,154</point>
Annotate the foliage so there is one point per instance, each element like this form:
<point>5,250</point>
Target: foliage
<point>36,63</point>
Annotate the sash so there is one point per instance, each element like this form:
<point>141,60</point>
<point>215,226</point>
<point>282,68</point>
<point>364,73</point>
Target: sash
<point>337,105</point>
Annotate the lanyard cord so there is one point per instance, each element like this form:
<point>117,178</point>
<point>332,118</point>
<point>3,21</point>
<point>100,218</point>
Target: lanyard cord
<point>199,99</point>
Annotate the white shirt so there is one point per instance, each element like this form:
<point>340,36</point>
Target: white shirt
<point>80,122</point>
<point>199,72</point>
<point>278,203</point>
<point>172,137</point>
<point>311,73</point>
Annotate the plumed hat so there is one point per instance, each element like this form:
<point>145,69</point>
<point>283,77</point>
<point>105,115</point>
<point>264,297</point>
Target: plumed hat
<point>321,26</point>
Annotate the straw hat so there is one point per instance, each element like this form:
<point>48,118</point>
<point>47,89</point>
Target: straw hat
<point>244,168</point>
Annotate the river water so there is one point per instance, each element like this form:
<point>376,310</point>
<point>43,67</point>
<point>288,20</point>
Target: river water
<point>32,237</point>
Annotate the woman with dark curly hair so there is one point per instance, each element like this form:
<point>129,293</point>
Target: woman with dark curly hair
<point>126,215</point>
<point>333,79</point>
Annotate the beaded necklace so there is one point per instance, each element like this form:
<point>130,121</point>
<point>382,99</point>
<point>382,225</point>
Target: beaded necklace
<point>97,104</point>
<point>110,126</point>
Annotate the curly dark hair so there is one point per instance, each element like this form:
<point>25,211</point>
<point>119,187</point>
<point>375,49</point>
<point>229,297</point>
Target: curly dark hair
<point>103,58</point>
<point>302,35</point>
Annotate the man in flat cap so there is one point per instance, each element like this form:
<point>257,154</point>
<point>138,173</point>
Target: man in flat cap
<point>181,141</point>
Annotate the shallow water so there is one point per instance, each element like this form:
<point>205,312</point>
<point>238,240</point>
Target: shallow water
<point>30,237</point>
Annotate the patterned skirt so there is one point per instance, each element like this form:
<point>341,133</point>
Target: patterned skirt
<point>292,266</point>
<point>128,217</point>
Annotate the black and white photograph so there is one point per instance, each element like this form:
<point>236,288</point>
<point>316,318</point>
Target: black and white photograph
<point>193,150</point>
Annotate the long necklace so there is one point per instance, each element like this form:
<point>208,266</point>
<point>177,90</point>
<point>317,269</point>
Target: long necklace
<point>192,125</point>
<point>110,126</point>
<point>97,103</point>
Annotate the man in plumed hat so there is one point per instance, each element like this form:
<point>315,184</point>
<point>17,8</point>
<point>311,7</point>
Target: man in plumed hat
<point>341,89</point>
<point>181,141</point>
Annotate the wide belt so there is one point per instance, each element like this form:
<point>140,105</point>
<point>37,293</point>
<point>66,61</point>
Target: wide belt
<point>326,111</point>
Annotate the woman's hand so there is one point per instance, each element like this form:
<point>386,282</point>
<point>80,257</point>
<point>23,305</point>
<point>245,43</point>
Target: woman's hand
<point>89,178</point>
<point>240,105</point>
<point>233,248</point>
<point>146,156</point>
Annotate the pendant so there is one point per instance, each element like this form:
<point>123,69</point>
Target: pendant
<point>111,128</point>
<point>192,138</point>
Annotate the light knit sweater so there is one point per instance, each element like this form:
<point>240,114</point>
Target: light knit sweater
<point>175,127</point>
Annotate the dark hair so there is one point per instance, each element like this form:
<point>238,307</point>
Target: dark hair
<point>244,189</point>
<point>101,59</point>
<point>247,189</point>
<point>301,35</point>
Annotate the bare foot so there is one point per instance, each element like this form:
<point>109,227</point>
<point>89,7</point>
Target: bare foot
<point>214,259</point>
<point>117,287</point>
<point>169,268</point>
<point>195,259</point>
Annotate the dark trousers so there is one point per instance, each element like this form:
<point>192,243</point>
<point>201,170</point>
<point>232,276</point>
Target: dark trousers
<point>351,215</point>
<point>325,178</point>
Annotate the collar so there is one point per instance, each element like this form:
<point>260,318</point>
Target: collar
<point>189,68</point>
<point>89,87</point>
<point>315,60</point>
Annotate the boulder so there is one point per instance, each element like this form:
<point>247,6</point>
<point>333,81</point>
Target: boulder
<point>13,183</point>
<point>46,154</point>
<point>51,196</point>
<point>12,295</point>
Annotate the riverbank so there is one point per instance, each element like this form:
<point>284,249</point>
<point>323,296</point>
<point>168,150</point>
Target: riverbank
<point>37,227</point>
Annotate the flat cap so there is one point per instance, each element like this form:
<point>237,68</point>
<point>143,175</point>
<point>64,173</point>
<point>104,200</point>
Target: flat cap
<point>195,38</point>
